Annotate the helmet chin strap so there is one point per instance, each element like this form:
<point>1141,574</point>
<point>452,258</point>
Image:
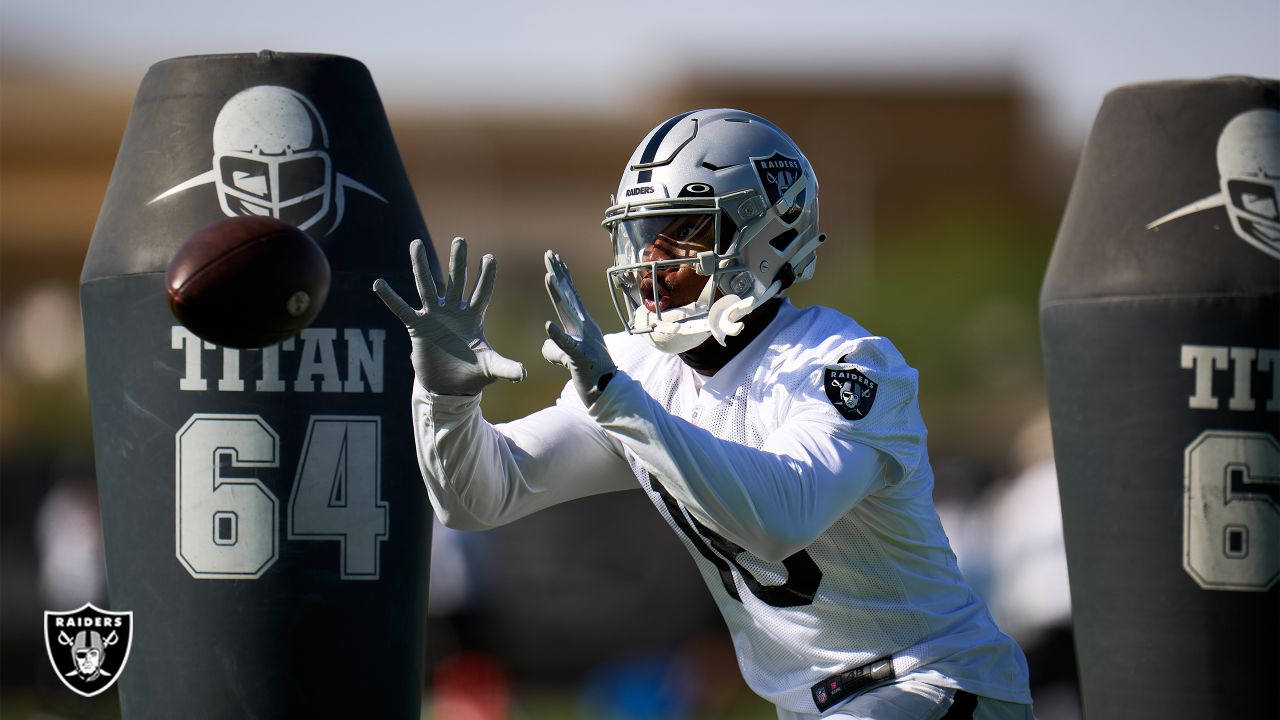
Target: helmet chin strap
<point>669,334</point>
<point>723,320</point>
<point>726,314</point>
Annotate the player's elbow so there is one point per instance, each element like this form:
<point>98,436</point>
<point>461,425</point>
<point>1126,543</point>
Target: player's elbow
<point>778,552</point>
<point>455,520</point>
<point>782,532</point>
<point>779,544</point>
<point>453,513</point>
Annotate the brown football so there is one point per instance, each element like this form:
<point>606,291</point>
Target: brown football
<point>247,282</point>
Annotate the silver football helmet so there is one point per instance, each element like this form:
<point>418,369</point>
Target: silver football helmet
<point>740,202</point>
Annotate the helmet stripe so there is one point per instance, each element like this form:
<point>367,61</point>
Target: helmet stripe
<point>651,150</point>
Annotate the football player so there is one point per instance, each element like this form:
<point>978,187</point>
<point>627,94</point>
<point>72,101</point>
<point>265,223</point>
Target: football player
<point>784,446</point>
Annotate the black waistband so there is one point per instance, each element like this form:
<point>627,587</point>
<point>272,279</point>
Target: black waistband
<point>843,684</point>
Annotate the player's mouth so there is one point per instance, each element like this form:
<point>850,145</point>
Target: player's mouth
<point>646,293</point>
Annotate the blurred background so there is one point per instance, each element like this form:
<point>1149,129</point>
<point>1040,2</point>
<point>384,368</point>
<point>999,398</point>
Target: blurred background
<point>944,135</point>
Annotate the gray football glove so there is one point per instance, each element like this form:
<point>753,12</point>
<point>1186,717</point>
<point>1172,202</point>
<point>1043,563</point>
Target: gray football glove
<point>450,354</point>
<point>576,343</point>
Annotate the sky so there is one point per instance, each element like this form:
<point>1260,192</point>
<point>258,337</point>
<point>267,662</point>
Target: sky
<point>603,56</point>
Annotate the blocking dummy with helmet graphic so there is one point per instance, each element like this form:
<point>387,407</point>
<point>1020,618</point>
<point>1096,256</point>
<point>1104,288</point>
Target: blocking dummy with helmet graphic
<point>1160,315</point>
<point>253,520</point>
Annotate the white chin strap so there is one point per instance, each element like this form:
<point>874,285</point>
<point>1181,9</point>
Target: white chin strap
<point>679,331</point>
<point>675,333</point>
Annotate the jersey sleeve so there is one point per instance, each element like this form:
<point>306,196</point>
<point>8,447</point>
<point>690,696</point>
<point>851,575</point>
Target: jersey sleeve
<point>863,391</point>
<point>480,475</point>
<point>772,501</point>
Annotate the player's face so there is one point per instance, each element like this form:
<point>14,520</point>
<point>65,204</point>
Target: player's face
<point>676,237</point>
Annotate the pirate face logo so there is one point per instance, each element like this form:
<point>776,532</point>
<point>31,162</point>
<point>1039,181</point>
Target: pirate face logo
<point>271,158</point>
<point>1248,157</point>
<point>88,648</point>
<point>850,392</point>
<point>777,173</point>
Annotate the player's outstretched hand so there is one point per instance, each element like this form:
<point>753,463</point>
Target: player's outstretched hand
<point>450,354</point>
<point>576,343</point>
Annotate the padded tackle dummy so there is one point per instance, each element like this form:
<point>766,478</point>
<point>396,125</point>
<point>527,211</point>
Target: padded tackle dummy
<point>1160,315</point>
<point>261,509</point>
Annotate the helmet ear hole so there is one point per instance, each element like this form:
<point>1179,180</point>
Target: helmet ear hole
<point>728,231</point>
<point>784,240</point>
<point>785,277</point>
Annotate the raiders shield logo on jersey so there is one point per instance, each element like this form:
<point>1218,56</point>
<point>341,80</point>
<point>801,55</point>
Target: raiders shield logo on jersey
<point>851,392</point>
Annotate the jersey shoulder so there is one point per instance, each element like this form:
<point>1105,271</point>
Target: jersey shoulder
<point>825,367</point>
<point>816,337</point>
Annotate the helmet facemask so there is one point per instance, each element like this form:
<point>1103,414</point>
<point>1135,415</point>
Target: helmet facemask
<point>654,240</point>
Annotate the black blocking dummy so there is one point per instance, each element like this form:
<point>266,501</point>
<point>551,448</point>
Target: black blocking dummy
<point>261,508</point>
<point>1160,316</point>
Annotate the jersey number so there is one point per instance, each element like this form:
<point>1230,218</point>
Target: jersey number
<point>803,575</point>
<point>227,518</point>
<point>1231,538</point>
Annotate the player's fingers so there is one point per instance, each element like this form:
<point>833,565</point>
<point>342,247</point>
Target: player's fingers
<point>564,306</point>
<point>457,273</point>
<point>484,286</point>
<point>557,297</point>
<point>563,340</point>
<point>562,272</point>
<point>422,276</point>
<point>565,281</point>
<point>394,302</point>
<point>502,368</point>
<point>558,269</point>
<point>553,354</point>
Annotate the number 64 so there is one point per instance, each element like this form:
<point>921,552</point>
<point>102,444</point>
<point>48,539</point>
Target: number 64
<point>227,518</point>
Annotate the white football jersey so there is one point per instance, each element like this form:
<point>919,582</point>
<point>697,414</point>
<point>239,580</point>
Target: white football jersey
<point>797,477</point>
<point>881,579</point>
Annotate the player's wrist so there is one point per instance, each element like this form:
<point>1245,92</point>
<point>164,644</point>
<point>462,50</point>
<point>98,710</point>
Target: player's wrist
<point>604,379</point>
<point>596,389</point>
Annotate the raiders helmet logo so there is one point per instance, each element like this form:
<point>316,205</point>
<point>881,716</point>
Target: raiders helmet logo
<point>850,392</point>
<point>777,173</point>
<point>88,647</point>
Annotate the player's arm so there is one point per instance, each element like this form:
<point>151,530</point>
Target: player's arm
<point>772,501</point>
<point>479,475</point>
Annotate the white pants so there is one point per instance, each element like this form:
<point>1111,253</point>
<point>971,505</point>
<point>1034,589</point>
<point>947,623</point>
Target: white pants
<point>915,700</point>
